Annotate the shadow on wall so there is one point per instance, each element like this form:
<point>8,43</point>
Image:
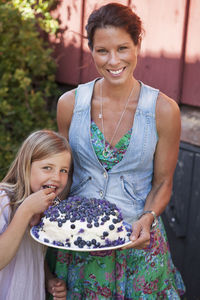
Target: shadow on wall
<point>169,75</point>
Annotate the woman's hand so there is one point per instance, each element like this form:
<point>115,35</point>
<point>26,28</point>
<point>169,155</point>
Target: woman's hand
<point>57,288</point>
<point>140,236</point>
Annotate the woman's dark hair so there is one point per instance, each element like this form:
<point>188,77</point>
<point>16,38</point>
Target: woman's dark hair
<point>117,15</point>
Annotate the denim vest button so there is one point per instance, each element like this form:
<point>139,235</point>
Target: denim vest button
<point>101,194</point>
<point>105,174</point>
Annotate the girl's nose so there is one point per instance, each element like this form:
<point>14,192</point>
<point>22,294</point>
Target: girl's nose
<point>56,176</point>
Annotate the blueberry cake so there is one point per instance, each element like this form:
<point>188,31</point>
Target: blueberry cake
<point>79,222</point>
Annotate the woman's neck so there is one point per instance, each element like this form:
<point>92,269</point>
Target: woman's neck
<point>118,92</point>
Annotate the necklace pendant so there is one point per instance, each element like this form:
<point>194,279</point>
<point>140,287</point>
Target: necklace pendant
<point>106,153</point>
<point>100,116</point>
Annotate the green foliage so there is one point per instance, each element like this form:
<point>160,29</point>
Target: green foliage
<point>27,81</point>
<point>39,10</point>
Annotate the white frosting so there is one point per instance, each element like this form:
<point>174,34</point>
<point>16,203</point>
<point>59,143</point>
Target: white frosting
<point>81,223</point>
<point>51,231</point>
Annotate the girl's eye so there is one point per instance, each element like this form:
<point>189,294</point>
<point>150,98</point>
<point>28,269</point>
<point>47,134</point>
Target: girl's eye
<point>64,171</point>
<point>47,168</point>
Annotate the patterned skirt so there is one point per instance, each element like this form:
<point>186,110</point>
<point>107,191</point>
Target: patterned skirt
<point>120,274</point>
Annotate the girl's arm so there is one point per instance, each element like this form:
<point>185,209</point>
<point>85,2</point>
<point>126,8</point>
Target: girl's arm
<point>168,128</point>
<point>55,286</point>
<point>11,238</point>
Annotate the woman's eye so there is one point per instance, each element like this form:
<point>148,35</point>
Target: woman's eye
<point>122,48</point>
<point>101,50</point>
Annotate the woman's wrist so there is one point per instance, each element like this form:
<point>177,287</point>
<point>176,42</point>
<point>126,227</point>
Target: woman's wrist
<point>150,217</point>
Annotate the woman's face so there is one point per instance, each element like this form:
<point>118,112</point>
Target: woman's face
<point>114,54</point>
<point>50,172</point>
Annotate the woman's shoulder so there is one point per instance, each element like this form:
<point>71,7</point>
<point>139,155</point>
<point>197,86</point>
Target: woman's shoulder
<point>68,98</point>
<point>166,105</point>
<point>167,112</point>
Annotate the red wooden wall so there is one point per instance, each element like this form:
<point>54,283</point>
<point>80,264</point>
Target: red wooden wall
<point>170,53</point>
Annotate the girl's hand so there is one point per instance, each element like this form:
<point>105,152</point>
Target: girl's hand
<point>35,220</point>
<point>38,202</point>
<point>57,287</point>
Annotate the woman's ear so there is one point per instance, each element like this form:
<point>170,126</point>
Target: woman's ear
<point>139,45</point>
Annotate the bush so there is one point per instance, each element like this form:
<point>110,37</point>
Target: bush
<point>27,81</point>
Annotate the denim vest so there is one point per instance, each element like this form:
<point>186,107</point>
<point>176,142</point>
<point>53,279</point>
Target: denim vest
<point>128,183</point>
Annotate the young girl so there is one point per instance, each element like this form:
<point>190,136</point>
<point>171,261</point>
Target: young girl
<point>38,174</point>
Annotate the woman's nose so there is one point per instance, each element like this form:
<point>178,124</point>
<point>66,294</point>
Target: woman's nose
<point>114,58</point>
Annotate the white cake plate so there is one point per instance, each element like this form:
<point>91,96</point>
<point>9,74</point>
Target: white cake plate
<point>81,249</point>
<point>77,248</point>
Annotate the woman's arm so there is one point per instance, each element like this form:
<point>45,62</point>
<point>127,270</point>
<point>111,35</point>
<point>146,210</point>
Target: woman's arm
<point>65,109</point>
<point>168,127</point>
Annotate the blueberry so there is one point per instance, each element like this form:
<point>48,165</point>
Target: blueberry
<point>115,221</point>
<point>111,227</point>
<point>105,233</point>
<point>104,219</point>
<point>119,229</point>
<point>89,225</point>
<point>93,241</point>
<point>96,224</point>
<point>88,243</point>
<point>73,226</point>
<point>59,224</point>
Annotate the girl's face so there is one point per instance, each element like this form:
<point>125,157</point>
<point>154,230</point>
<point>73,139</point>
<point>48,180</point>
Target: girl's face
<point>114,54</point>
<point>52,171</point>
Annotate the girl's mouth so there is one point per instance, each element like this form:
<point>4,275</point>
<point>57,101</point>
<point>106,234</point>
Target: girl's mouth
<point>46,186</point>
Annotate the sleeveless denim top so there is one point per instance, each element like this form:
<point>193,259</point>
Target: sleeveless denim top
<point>128,183</point>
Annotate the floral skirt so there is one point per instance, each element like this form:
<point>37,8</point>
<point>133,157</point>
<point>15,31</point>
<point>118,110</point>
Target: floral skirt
<point>120,274</point>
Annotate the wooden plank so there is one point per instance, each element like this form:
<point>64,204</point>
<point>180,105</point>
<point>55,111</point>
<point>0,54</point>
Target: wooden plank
<point>191,86</point>
<point>192,260</point>
<point>177,210</point>
<point>160,62</point>
<point>176,214</point>
<point>68,44</point>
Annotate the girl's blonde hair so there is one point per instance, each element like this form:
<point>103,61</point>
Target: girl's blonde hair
<point>37,146</point>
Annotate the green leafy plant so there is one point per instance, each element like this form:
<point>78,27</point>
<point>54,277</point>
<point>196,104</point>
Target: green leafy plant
<point>27,74</point>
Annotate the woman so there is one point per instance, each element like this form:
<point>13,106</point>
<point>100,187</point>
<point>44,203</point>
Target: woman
<point>125,140</point>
